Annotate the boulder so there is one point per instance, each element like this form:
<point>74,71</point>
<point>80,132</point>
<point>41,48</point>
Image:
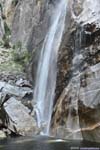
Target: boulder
<point>15,90</point>
<point>20,121</point>
<point>78,106</point>
<point>2,135</point>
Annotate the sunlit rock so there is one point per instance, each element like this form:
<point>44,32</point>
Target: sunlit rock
<point>8,10</point>
<point>20,121</point>
<point>2,135</point>
<point>14,90</point>
<point>26,18</point>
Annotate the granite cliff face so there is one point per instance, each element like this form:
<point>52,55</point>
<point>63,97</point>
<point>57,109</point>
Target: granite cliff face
<point>76,112</point>
<point>30,25</point>
<point>76,105</point>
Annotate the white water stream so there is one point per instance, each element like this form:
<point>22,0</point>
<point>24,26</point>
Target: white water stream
<point>47,68</point>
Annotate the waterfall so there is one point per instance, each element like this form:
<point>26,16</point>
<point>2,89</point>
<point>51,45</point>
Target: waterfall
<point>73,123</point>
<point>44,90</point>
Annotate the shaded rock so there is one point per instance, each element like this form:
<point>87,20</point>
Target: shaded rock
<point>28,101</point>
<point>8,11</point>
<point>4,119</point>
<point>77,6</point>
<point>89,104</point>
<point>65,113</point>
<point>20,121</point>
<point>2,30</point>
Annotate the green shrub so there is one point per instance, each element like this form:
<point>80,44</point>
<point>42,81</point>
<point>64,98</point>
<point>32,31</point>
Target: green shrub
<point>20,54</point>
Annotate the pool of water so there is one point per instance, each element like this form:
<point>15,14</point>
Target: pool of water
<point>45,143</point>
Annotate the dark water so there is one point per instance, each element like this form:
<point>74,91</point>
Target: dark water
<point>45,143</point>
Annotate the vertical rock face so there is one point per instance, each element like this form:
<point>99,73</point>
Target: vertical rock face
<point>76,106</point>
<point>76,112</point>
<point>30,25</point>
<point>30,22</point>
<point>8,10</point>
<point>2,31</point>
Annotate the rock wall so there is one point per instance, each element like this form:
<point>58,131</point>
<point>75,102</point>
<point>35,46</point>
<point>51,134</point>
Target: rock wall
<point>2,30</point>
<point>76,105</point>
<point>7,10</point>
<point>76,111</point>
<point>28,22</point>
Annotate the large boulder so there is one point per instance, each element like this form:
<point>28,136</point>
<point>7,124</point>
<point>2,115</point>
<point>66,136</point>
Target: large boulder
<point>20,121</point>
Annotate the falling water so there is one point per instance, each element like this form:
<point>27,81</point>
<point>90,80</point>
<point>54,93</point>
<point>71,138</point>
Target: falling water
<point>47,69</point>
<point>73,124</point>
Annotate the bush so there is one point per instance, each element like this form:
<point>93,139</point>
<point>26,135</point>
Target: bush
<point>20,54</point>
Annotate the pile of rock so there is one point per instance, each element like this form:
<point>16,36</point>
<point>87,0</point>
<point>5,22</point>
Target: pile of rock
<point>16,109</point>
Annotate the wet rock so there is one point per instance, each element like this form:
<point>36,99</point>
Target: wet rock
<point>89,104</point>
<point>67,133</point>
<point>11,77</point>
<point>20,121</point>
<point>78,107</point>
<point>28,102</point>
<point>66,110</point>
